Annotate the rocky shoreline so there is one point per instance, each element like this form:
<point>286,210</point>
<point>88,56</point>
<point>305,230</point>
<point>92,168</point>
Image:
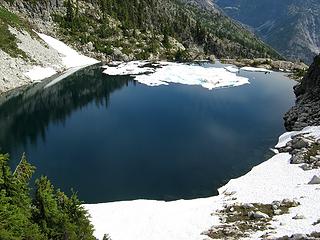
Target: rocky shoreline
<point>256,220</point>
<point>306,112</point>
<point>295,70</point>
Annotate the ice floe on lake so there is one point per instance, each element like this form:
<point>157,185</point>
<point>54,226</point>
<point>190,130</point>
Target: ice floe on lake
<point>164,73</point>
<point>254,69</point>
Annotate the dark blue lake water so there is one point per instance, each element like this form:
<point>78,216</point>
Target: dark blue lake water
<point>111,138</point>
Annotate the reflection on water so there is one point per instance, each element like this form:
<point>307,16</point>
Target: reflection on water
<point>26,117</point>
<point>112,139</point>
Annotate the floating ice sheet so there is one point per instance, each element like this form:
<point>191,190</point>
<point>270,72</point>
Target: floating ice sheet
<point>163,73</point>
<point>253,69</point>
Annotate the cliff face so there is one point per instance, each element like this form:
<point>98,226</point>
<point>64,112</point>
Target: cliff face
<point>306,112</point>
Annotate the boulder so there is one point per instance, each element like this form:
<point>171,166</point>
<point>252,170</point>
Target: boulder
<point>297,159</point>
<point>301,143</point>
<point>257,215</point>
<point>298,217</point>
<point>315,180</point>
<point>306,167</point>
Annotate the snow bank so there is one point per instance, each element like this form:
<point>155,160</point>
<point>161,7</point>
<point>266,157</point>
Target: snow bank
<point>68,57</point>
<point>164,73</point>
<point>232,69</point>
<point>153,220</point>
<point>71,58</point>
<point>38,73</point>
<point>275,179</point>
<point>253,69</point>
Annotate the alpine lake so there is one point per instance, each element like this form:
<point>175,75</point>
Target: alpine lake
<point>111,138</point>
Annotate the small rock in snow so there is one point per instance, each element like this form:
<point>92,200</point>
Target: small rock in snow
<point>257,215</point>
<point>248,205</point>
<point>306,167</point>
<point>313,159</point>
<point>315,180</point>
<point>298,216</point>
<point>298,236</point>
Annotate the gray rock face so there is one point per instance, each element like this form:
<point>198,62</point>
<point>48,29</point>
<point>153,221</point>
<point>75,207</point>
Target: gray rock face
<point>315,180</point>
<point>306,112</point>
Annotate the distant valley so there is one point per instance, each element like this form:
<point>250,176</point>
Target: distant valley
<point>290,26</point>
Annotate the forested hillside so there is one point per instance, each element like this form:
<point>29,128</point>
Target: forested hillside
<point>145,29</point>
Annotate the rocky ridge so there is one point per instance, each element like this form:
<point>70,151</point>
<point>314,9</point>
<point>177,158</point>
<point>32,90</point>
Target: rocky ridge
<point>306,112</point>
<point>296,68</point>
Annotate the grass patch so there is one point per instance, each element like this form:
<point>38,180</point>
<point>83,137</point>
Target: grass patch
<point>237,222</point>
<point>8,42</point>
<point>298,74</point>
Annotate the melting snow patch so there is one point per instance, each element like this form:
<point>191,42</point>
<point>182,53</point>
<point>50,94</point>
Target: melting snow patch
<point>253,69</point>
<point>164,73</point>
<point>129,68</point>
<point>232,69</point>
<point>71,58</point>
<point>38,73</point>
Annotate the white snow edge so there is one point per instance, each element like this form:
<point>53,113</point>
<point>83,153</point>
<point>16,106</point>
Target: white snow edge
<point>275,179</point>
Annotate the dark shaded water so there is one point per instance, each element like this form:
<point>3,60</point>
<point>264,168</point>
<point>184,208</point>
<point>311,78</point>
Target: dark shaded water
<point>111,138</point>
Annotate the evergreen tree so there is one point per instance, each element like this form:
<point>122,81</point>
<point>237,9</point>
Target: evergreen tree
<point>69,14</point>
<point>49,215</point>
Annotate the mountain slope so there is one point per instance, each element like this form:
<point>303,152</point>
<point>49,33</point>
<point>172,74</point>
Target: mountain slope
<point>290,26</point>
<point>153,29</point>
